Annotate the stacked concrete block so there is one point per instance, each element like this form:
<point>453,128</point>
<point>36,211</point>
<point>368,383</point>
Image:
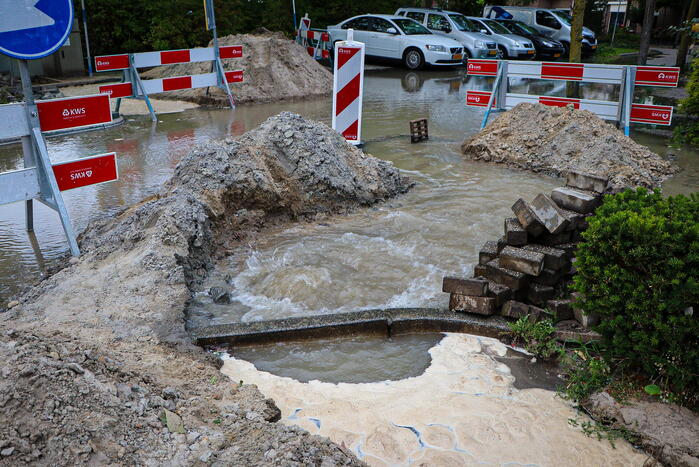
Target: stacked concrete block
<point>528,270</point>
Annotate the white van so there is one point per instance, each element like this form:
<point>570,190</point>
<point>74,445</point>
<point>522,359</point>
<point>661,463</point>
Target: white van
<point>553,23</point>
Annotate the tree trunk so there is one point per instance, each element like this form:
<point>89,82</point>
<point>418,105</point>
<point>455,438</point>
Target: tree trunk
<point>575,52</point>
<point>646,30</point>
<point>684,43</point>
<point>426,3</point>
<point>576,31</point>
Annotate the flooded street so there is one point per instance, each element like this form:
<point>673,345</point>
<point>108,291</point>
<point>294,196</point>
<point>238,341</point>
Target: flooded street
<point>392,255</point>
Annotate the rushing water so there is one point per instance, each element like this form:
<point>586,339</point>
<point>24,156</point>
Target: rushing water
<point>391,255</point>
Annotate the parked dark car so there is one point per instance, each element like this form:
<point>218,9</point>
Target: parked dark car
<point>545,47</point>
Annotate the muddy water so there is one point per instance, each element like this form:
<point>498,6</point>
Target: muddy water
<point>362,359</point>
<point>388,256</point>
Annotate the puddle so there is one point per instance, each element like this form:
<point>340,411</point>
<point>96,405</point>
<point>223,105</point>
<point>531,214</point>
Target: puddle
<point>363,359</point>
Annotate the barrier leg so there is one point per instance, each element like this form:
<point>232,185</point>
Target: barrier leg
<point>26,141</point>
<point>496,91</point>
<point>57,201</point>
<point>223,82</point>
<point>137,79</point>
<point>629,79</point>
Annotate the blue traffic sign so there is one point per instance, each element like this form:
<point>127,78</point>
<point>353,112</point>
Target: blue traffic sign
<point>31,29</point>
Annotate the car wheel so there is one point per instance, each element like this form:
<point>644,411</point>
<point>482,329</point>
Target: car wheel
<point>413,59</point>
<point>503,52</point>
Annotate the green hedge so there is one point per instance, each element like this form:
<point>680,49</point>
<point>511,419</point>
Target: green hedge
<point>638,267</point>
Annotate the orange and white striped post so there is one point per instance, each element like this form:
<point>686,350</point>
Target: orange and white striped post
<point>348,86</point>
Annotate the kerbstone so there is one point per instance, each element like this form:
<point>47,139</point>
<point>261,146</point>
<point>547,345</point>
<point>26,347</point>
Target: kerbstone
<point>514,309</point>
<point>501,293</point>
<point>587,320</point>
<point>585,181</point>
<point>489,251</point>
<point>549,277</point>
<point>562,309</point>
<point>514,233</point>
<point>527,217</point>
<point>521,260</point>
<point>470,304</point>
<point>584,202</point>
<point>539,294</point>
<point>576,221</point>
<point>475,286</point>
<point>548,239</point>
<point>512,279</point>
<point>549,214</point>
<point>554,258</point>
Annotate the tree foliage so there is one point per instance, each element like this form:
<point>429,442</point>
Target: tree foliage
<point>638,267</point>
<point>120,26</point>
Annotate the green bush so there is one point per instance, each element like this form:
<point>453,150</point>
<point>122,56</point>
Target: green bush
<point>638,267</point>
<point>689,132</point>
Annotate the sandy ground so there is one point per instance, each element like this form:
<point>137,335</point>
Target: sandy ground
<point>463,410</point>
<point>132,106</point>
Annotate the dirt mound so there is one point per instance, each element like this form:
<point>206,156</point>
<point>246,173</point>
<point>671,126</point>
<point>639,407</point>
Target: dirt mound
<point>555,140</point>
<point>129,290</point>
<point>276,68</point>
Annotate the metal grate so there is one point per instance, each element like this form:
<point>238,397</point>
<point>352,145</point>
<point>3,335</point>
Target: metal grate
<point>418,130</point>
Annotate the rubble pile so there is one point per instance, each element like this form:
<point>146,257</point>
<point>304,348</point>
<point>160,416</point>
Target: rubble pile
<point>528,270</point>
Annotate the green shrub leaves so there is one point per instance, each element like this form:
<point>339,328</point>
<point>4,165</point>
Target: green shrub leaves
<point>638,267</point>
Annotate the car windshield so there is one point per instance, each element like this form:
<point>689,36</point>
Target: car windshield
<point>463,24</point>
<point>523,27</point>
<point>563,16</point>
<point>497,27</point>
<point>410,27</point>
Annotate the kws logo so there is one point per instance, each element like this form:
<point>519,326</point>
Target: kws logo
<point>74,113</point>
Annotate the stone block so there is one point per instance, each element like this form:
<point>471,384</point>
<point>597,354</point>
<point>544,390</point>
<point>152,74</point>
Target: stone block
<point>527,217</point>
<point>514,309</point>
<point>548,277</point>
<point>585,181</point>
<point>501,293</point>
<point>549,214</point>
<point>587,320</point>
<point>548,239</point>
<point>512,279</point>
<point>501,243</point>
<point>554,258</point>
<point>477,286</point>
<point>521,260</point>
<point>539,294</point>
<point>489,251</point>
<point>584,202</point>
<point>537,314</point>
<point>479,270</point>
<point>562,308</point>
<point>569,248</point>
<point>470,304</point>
<point>515,234</point>
<point>576,221</point>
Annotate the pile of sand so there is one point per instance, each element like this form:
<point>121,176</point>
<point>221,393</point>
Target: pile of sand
<point>276,69</point>
<point>555,140</point>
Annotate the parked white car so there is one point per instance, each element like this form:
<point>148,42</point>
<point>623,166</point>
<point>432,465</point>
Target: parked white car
<point>401,39</point>
<point>511,45</point>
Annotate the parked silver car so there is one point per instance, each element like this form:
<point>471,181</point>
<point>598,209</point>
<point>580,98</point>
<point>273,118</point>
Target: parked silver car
<point>456,26</point>
<point>511,45</point>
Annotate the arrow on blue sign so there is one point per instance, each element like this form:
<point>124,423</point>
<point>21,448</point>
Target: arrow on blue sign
<point>31,29</point>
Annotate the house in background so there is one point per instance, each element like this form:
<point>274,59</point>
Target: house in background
<point>66,61</point>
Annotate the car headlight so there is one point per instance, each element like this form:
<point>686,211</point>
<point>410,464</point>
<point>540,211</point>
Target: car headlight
<point>480,45</point>
<point>548,44</point>
<point>517,44</point>
<point>436,48</point>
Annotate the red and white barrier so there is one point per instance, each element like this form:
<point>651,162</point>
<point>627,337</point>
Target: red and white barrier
<point>590,73</point>
<point>92,170</point>
<point>657,76</point>
<point>165,57</point>
<point>74,112</point>
<point>478,98</point>
<point>651,114</point>
<point>607,110</point>
<point>481,67</point>
<point>176,83</point>
<point>348,86</point>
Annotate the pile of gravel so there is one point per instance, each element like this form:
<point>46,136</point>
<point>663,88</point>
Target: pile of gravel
<point>556,140</point>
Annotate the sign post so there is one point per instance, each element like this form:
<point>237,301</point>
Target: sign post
<point>348,86</point>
